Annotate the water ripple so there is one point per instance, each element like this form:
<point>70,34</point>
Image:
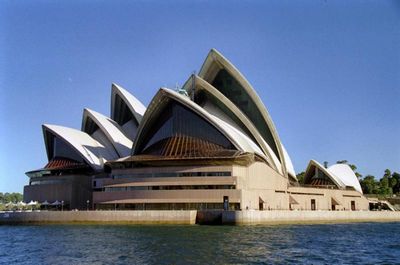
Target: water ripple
<point>367,243</point>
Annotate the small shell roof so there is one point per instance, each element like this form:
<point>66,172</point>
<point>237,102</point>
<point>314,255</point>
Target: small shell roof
<point>94,153</point>
<point>346,175</point>
<point>341,174</point>
<point>111,129</point>
<point>135,106</point>
<point>309,174</point>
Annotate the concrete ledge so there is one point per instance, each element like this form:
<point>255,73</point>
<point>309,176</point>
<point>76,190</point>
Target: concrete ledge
<point>108,217</point>
<point>281,217</point>
<point>201,217</point>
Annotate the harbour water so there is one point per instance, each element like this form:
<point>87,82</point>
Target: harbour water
<point>358,243</point>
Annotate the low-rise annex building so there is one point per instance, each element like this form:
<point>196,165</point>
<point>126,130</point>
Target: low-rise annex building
<point>211,145</point>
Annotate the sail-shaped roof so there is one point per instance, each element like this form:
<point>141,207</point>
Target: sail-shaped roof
<point>214,102</point>
<point>340,175</point>
<point>315,171</point>
<point>220,73</point>
<point>76,145</point>
<point>93,121</point>
<point>126,110</point>
<point>165,96</point>
<point>346,175</point>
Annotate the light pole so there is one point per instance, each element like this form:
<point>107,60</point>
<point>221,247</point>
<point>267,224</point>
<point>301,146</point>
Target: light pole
<point>87,205</point>
<point>62,206</point>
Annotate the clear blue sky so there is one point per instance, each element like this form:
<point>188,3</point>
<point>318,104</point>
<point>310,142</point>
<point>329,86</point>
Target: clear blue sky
<point>328,71</point>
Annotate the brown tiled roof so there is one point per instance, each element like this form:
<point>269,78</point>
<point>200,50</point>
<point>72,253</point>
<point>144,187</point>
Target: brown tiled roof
<point>62,163</point>
<point>182,146</point>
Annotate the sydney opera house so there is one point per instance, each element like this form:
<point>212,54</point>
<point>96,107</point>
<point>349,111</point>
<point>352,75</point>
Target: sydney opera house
<point>209,145</point>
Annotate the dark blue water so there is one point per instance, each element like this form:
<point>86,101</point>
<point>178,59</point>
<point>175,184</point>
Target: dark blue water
<point>367,243</point>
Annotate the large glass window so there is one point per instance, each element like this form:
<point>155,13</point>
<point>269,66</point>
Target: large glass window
<point>174,174</point>
<point>179,132</point>
<point>48,182</point>
<point>232,89</point>
<point>203,98</point>
<point>90,126</point>
<point>174,187</point>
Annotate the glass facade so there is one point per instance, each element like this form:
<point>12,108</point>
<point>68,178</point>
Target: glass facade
<point>179,132</point>
<point>174,187</point>
<point>90,126</point>
<point>174,174</point>
<point>202,98</point>
<point>47,182</point>
<point>232,89</point>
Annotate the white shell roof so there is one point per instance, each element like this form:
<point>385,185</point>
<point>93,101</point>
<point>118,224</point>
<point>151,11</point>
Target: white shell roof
<point>111,129</point>
<point>346,175</point>
<point>136,107</point>
<point>334,178</point>
<point>241,141</point>
<point>245,143</point>
<point>91,151</point>
<point>236,112</point>
<point>341,174</point>
<point>217,60</point>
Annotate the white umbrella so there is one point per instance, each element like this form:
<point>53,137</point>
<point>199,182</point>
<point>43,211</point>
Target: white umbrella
<point>10,204</point>
<point>21,203</point>
<point>45,203</point>
<point>56,203</point>
<point>31,203</point>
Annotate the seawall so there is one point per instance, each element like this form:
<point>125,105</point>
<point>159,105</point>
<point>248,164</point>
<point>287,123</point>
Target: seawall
<point>106,217</point>
<point>281,217</point>
<point>193,217</point>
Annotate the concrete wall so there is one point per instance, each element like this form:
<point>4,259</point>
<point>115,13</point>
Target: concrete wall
<point>189,217</point>
<point>49,192</point>
<point>138,217</point>
<point>259,183</point>
<point>270,217</point>
<point>74,190</point>
<point>166,196</point>
<point>324,198</point>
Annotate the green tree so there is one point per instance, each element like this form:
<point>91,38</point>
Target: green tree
<point>387,173</point>
<point>369,185</point>
<point>395,182</point>
<point>300,177</point>
<point>384,183</point>
<point>11,197</point>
